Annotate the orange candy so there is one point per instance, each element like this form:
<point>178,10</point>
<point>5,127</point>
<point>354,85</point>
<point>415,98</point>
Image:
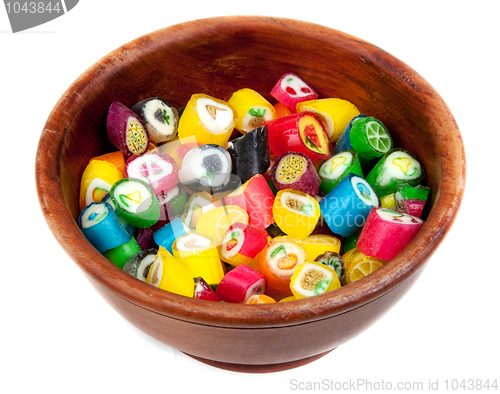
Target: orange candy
<point>278,260</point>
<point>259,299</point>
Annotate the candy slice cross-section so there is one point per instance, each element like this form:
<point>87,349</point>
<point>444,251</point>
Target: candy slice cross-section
<point>370,138</point>
<point>252,109</point>
<point>296,213</point>
<point>387,232</point>
<point>291,90</point>
<point>278,261</point>
<point>159,170</point>
<point>312,278</point>
<point>396,167</point>
<point>347,206</point>
<point>295,170</point>
<point>168,274</point>
<point>135,201</point>
<point>160,118</point>
<point>336,168</point>
<point>208,119</point>
<point>207,167</point>
<point>138,265</point>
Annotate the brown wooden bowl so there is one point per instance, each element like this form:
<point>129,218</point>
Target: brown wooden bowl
<point>218,56</point>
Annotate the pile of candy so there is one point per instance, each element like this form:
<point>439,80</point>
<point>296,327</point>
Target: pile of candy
<point>243,201</point>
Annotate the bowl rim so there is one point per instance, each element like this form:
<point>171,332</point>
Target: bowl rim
<point>366,290</point>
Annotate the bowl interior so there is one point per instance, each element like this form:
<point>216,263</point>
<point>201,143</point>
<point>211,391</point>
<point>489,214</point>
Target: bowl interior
<point>218,56</point>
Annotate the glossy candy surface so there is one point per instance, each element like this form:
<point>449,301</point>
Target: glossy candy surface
<point>334,113</point>
<point>250,153</point>
<point>159,117</point>
<point>126,130</point>
<point>347,206</point>
<point>387,232</point>
<point>291,90</point>
<point>209,119</point>
<point>296,213</point>
<point>300,132</point>
<point>252,110</point>
<point>295,170</point>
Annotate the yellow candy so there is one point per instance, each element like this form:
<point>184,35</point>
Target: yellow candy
<point>317,244</point>
<point>335,114</point>
<point>358,264</point>
<point>169,274</point>
<point>97,180</point>
<point>388,202</point>
<point>295,213</point>
<point>209,119</point>
<point>200,256</point>
<point>215,222</point>
<point>311,278</point>
<point>252,110</point>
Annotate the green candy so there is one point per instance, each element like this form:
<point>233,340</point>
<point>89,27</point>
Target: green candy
<point>370,138</point>
<point>336,168</point>
<point>395,168</point>
<point>136,202</point>
<point>120,255</point>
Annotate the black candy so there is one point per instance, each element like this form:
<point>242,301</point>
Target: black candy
<point>250,153</point>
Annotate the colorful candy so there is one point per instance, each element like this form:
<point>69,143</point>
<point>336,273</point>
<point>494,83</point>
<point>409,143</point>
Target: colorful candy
<point>335,261</point>
<point>387,232</point>
<point>370,138</point>
<point>242,243</point>
<point>207,118</point>
<point>318,244</point>
<point>120,255</point>
<point>396,167</point>
<point>206,167</point>
<point>311,278</point>
<point>126,131</point>
<point>411,199</point>
<point>240,283</point>
<point>168,274</point>
<point>347,206</point>
<point>200,256</point>
<point>255,197</point>
<point>336,168</point>
<point>97,179</point>
<point>250,153</point>
<point>291,90</point>
<point>138,265</point>
<point>215,222</point>
<point>170,215</point>
<point>296,213</point>
<point>335,114</point>
<point>160,118</point>
<point>300,132</point>
<point>167,235</point>
<point>203,291</point>
<point>295,170</point>
<point>100,226</point>
<point>136,202</point>
<point>278,261</point>
<point>156,169</point>
<point>252,110</point>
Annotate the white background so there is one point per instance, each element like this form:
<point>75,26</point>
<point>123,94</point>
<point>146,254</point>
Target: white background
<point>59,336</point>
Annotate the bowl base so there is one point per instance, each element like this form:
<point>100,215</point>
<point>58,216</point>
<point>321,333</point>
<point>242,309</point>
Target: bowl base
<point>262,368</point>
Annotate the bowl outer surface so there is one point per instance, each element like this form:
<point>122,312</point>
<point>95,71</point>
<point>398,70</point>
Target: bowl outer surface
<point>217,56</point>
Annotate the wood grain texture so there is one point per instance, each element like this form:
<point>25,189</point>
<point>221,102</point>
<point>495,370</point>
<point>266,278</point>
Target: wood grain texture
<point>218,56</point>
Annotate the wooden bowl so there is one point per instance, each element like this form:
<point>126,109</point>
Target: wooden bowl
<point>217,56</point>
